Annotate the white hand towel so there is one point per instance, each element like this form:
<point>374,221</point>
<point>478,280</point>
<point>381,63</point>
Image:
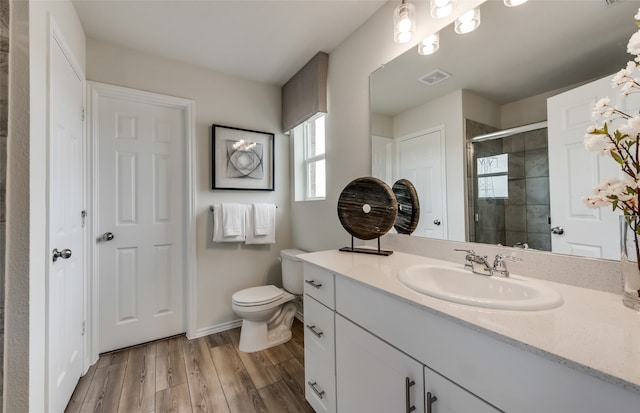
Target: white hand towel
<point>264,218</point>
<point>218,235</point>
<point>232,220</point>
<point>252,237</point>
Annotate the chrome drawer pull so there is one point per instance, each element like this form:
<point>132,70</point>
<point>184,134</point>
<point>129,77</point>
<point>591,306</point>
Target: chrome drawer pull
<point>313,283</point>
<point>313,330</point>
<point>408,384</point>
<point>320,393</point>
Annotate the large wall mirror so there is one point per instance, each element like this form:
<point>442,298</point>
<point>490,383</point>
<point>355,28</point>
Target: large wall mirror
<point>425,111</point>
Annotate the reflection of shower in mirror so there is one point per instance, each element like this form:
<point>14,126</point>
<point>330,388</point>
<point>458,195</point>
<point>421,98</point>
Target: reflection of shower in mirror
<point>509,186</point>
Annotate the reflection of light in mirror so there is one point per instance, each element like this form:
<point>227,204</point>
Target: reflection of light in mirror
<point>468,22</point>
<point>430,44</point>
<point>441,8</point>
<point>514,3</point>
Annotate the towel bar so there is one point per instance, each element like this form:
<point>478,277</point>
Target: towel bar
<point>211,207</point>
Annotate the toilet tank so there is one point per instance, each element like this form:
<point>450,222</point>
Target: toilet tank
<point>292,279</point>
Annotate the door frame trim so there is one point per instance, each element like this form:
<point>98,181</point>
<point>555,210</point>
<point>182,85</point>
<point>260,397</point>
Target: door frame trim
<point>95,90</point>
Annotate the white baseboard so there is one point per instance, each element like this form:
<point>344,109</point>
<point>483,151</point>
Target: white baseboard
<point>205,331</point>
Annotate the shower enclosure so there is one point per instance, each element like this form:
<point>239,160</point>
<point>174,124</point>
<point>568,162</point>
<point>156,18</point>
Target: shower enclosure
<point>508,185</point>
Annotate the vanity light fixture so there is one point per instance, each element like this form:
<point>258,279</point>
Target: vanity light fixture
<point>514,3</point>
<point>442,8</point>
<point>404,22</point>
<point>430,44</point>
<point>468,22</point>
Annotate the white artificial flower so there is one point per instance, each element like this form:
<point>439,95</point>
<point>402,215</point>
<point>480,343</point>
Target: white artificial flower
<point>624,74</point>
<point>632,127</point>
<point>633,47</point>
<point>602,108</point>
<point>595,201</point>
<point>637,16</point>
<point>598,143</point>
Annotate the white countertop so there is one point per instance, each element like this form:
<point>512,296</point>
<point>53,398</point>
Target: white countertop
<point>592,331</point>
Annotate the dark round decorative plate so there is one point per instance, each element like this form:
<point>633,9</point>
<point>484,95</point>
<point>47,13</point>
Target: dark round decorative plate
<point>408,206</point>
<point>367,208</point>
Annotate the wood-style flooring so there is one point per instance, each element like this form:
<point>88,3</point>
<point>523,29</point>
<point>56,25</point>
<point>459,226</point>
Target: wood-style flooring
<point>208,374</point>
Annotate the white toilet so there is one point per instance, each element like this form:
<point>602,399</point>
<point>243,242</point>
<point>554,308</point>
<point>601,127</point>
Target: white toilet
<point>267,312</point>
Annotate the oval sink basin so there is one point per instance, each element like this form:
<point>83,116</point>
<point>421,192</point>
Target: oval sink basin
<point>464,287</point>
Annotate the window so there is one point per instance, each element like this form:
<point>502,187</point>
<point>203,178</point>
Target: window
<point>493,174</point>
<point>309,141</point>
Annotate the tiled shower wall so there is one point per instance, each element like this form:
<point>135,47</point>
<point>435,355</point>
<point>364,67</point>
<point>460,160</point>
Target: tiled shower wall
<point>4,111</point>
<point>523,217</point>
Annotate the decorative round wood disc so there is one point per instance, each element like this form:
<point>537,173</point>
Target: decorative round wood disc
<point>367,208</point>
<point>408,206</point>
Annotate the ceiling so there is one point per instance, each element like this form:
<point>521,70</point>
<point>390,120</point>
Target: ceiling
<point>516,53</point>
<point>262,40</point>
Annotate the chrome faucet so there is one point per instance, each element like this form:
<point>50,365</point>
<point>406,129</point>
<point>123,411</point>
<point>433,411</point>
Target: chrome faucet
<point>499,266</point>
<point>478,264</point>
<point>475,263</point>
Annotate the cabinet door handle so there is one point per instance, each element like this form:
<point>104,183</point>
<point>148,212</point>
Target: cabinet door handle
<point>430,400</point>
<point>313,283</point>
<point>317,333</point>
<point>408,384</point>
<point>314,387</point>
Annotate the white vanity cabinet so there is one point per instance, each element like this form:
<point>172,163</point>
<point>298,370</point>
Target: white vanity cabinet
<point>319,339</point>
<point>372,376</point>
<point>442,395</point>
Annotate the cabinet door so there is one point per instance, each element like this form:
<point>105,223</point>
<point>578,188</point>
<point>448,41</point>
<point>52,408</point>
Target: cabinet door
<point>372,376</point>
<point>444,396</point>
<point>319,356</point>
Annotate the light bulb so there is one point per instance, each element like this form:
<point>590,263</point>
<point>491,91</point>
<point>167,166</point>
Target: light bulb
<point>468,22</point>
<point>430,44</point>
<point>404,22</point>
<point>514,3</point>
<point>441,8</point>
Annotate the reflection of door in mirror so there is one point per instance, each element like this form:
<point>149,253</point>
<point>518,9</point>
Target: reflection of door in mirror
<point>420,160</point>
<point>382,159</point>
<point>510,182</point>
<point>585,231</point>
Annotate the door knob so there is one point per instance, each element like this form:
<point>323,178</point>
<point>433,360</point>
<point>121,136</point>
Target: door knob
<point>557,230</point>
<point>64,254</point>
<point>436,222</point>
<point>107,236</point>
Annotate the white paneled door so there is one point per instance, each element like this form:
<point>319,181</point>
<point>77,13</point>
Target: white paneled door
<point>141,219</point>
<point>65,329</point>
<point>577,229</point>
<point>421,160</point>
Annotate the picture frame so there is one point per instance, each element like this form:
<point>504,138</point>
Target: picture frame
<point>242,159</point>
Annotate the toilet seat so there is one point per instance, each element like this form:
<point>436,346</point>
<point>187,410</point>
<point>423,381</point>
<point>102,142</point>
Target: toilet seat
<point>256,296</point>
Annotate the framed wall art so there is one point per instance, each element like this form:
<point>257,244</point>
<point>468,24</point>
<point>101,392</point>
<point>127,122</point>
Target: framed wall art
<point>242,159</point>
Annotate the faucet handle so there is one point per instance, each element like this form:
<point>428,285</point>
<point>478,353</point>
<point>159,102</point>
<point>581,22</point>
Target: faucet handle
<point>468,259</point>
<point>499,266</point>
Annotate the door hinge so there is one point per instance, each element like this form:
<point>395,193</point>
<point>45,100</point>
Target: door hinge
<point>82,113</point>
<point>84,217</point>
<point>84,327</point>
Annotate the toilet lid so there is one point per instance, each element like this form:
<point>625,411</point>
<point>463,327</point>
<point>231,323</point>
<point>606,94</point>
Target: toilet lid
<point>257,295</point>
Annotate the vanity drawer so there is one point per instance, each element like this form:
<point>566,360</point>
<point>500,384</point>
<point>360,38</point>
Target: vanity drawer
<point>320,383</point>
<point>319,329</point>
<point>319,284</point>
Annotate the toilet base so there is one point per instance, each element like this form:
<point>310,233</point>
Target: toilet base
<point>261,335</point>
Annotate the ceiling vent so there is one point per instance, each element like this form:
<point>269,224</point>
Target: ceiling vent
<point>434,77</point>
